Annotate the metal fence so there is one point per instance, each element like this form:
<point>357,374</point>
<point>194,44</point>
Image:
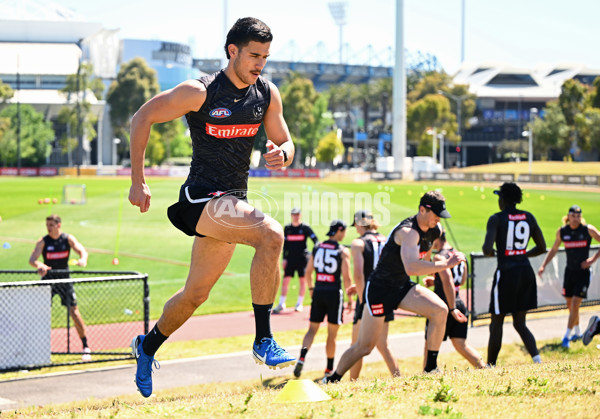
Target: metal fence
<point>549,286</point>
<point>37,327</point>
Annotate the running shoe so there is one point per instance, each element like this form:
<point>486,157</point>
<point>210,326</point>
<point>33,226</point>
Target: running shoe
<point>575,338</point>
<point>268,352</point>
<point>591,330</point>
<point>86,357</point>
<point>279,308</point>
<point>298,369</point>
<point>299,308</point>
<point>565,343</point>
<point>328,372</point>
<point>143,374</point>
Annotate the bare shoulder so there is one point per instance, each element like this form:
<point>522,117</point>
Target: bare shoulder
<point>357,244</point>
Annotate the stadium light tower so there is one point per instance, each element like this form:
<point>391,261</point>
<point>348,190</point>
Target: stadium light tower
<point>533,112</point>
<point>338,12</point>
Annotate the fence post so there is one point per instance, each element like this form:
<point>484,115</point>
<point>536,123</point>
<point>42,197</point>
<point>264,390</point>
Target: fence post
<point>146,305</point>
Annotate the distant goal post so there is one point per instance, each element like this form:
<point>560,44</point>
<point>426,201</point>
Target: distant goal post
<point>74,194</point>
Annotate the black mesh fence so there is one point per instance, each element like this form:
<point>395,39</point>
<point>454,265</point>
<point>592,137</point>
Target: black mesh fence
<point>41,320</point>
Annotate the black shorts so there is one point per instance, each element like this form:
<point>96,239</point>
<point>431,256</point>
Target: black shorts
<point>576,282</point>
<point>384,299</point>
<point>66,292</point>
<point>295,264</point>
<point>327,302</point>
<point>358,311</point>
<point>455,329</point>
<point>185,213</point>
<point>513,290</point>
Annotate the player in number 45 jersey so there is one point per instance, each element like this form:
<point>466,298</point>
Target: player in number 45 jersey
<point>514,289</point>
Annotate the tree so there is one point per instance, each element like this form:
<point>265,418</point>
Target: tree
<point>36,135</point>
<point>595,94</point>
<point>588,129</point>
<point>299,96</point>
<point>79,119</point>
<point>136,83</point>
<point>6,92</point>
<point>551,132</point>
<point>329,147</point>
<point>432,111</point>
<point>169,132</point>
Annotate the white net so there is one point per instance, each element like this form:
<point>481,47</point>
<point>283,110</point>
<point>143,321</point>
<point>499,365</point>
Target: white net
<point>74,194</point>
<point>549,286</point>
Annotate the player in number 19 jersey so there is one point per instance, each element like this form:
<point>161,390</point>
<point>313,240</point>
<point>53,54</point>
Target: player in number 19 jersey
<point>514,289</point>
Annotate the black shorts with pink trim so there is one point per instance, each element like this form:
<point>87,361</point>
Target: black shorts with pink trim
<point>382,299</point>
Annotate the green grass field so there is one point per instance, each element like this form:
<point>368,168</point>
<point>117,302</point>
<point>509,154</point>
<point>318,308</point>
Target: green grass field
<point>149,244</point>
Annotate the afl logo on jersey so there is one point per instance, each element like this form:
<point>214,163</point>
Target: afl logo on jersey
<point>220,113</point>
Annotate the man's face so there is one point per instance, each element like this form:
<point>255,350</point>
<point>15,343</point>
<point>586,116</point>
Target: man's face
<point>295,218</point>
<point>430,217</point>
<point>249,61</point>
<point>52,227</point>
<point>574,219</point>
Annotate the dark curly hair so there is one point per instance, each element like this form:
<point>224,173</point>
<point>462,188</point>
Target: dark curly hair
<point>511,193</point>
<point>245,30</point>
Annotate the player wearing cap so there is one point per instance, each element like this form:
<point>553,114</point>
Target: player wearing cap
<point>365,255</point>
<point>577,237</point>
<point>294,257</point>
<point>406,252</point>
<point>514,289</point>
<point>331,263</point>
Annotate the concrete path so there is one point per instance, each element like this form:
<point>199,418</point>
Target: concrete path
<point>116,381</point>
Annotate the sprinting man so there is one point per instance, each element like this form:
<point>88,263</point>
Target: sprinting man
<point>514,289</point>
<point>295,258</point>
<point>365,255</point>
<point>224,111</point>
<point>446,285</point>
<point>406,252</point>
<point>331,263</point>
<point>55,248</point>
<point>577,237</point>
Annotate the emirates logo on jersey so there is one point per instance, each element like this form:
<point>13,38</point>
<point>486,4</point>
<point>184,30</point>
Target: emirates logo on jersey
<point>232,131</point>
<point>517,217</point>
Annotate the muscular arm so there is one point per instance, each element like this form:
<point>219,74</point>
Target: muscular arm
<point>538,239</point>
<point>166,106</point>
<point>42,268</point>
<point>277,133</point>
<point>79,249</point>
<point>357,249</point>
<point>447,284</point>
<point>595,235</point>
<point>551,253</point>
<point>490,236</point>
<point>346,271</point>
<point>408,239</point>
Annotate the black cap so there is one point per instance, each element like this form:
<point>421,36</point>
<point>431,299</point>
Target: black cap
<point>295,210</point>
<point>438,207</point>
<point>576,209</point>
<point>335,226</point>
<point>362,218</point>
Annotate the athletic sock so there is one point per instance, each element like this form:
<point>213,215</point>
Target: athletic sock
<point>262,321</point>
<point>300,300</point>
<point>567,333</point>
<point>153,340</point>
<point>537,359</point>
<point>576,331</point>
<point>282,300</point>
<point>303,353</point>
<point>84,342</point>
<point>330,364</point>
<point>431,360</point>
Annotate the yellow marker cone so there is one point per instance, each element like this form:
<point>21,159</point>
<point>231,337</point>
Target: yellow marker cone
<point>301,391</point>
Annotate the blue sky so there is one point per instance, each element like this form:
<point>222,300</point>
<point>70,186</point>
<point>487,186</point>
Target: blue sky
<point>522,33</point>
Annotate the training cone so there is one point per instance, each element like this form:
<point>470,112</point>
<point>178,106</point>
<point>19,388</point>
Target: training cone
<point>115,261</point>
<point>301,391</point>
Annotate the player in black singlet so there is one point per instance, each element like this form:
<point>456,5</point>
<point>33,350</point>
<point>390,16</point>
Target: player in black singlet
<point>224,112</point>
<point>55,248</point>
<point>514,289</point>
<point>406,252</point>
<point>446,285</point>
<point>331,263</point>
<point>365,255</point>
<point>295,256</point>
<point>577,237</point>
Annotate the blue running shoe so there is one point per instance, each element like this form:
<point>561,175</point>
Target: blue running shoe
<point>143,374</point>
<point>565,343</point>
<point>575,338</point>
<point>268,352</point>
